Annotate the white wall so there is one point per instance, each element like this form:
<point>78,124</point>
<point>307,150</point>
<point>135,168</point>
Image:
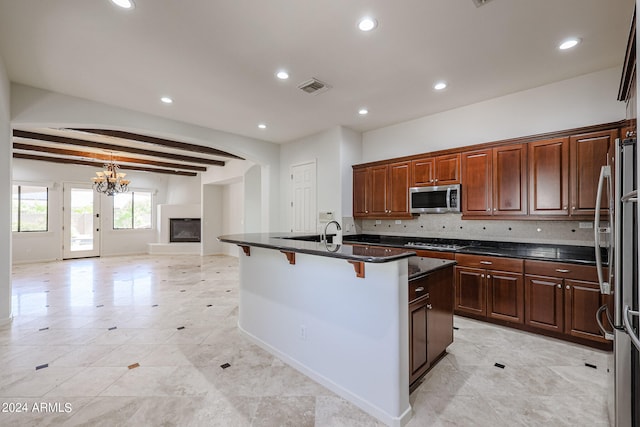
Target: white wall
<point>5,194</point>
<point>581,101</point>
<point>183,190</point>
<point>232,214</point>
<point>211,219</point>
<point>334,151</point>
<point>47,246</point>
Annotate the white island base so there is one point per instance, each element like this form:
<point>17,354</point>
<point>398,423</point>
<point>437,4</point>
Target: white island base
<point>348,333</point>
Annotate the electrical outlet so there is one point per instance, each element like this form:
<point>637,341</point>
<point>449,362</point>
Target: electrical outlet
<point>585,225</point>
<point>378,221</point>
<point>398,221</point>
<point>303,332</point>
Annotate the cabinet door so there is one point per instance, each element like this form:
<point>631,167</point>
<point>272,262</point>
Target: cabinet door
<point>398,192</point>
<point>440,313</point>
<point>543,302</point>
<point>471,292</point>
<point>422,173</point>
<point>505,296</point>
<point>549,177</point>
<point>360,192</point>
<point>447,169</point>
<point>588,153</point>
<point>378,190</point>
<point>582,300</point>
<point>418,361</point>
<point>476,183</point>
<point>510,180</point>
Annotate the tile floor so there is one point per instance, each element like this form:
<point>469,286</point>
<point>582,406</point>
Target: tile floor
<point>140,340</point>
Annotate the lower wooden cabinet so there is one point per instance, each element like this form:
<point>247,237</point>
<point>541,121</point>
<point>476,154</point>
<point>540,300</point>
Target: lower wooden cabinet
<point>430,320</point>
<point>490,287</point>
<point>563,298</point>
<point>557,299</point>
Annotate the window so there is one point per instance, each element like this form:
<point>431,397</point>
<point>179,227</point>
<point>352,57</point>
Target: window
<point>30,208</point>
<point>132,210</point>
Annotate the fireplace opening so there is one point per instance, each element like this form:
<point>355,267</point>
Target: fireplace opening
<point>184,230</point>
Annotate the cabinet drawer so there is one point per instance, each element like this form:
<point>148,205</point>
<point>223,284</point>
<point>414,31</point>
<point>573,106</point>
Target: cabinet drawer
<point>561,269</point>
<point>418,289</point>
<point>490,263</point>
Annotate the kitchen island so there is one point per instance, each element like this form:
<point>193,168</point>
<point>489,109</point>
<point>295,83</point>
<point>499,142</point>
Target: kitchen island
<point>337,313</point>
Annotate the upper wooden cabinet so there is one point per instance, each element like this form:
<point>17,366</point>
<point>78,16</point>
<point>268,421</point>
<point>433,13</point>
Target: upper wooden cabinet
<point>439,170</point>
<point>549,177</point>
<point>495,181</point>
<point>381,191</point>
<point>588,153</point>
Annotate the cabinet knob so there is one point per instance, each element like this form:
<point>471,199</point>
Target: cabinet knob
<point>564,207</point>
<point>420,289</point>
<point>488,209</point>
<point>366,211</point>
<point>488,276</point>
<point>429,306</point>
<point>559,286</point>
<point>482,275</point>
<point>568,287</point>
<point>573,207</point>
<point>495,209</point>
<point>436,179</point>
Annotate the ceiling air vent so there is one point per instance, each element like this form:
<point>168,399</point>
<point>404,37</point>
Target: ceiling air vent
<point>479,3</point>
<point>314,86</point>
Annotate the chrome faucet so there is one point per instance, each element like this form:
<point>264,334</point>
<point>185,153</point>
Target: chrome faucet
<point>324,234</point>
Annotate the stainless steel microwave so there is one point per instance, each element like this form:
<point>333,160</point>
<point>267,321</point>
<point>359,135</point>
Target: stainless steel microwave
<point>438,199</point>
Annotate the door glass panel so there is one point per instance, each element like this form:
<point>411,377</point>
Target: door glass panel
<point>81,219</point>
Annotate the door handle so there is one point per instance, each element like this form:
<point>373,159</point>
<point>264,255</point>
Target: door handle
<point>628,327</point>
<point>607,335</point>
<point>605,173</point>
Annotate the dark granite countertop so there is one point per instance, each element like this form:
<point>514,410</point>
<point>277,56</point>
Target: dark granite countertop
<point>419,266</point>
<point>537,251</point>
<point>310,244</point>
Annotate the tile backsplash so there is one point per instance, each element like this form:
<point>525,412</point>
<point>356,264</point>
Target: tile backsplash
<point>452,226</point>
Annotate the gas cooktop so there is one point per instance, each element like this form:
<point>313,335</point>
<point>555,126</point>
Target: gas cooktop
<point>435,246</point>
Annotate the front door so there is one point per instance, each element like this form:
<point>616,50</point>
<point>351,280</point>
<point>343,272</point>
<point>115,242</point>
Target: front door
<point>303,198</point>
<point>81,221</point>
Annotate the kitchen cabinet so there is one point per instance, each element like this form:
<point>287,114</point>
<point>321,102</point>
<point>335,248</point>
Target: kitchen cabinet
<point>381,191</point>
<point>563,298</point>
<point>588,153</point>
<point>495,181</point>
<point>430,320</point>
<point>490,287</point>
<point>549,177</point>
<point>438,170</point>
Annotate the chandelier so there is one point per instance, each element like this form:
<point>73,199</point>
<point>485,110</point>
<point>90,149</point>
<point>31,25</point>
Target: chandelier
<point>110,181</point>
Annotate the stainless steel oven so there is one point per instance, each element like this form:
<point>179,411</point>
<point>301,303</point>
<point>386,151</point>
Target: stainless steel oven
<point>437,199</point>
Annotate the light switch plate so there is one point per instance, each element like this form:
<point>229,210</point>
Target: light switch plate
<point>325,216</point>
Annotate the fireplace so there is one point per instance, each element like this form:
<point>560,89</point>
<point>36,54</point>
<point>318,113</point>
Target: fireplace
<point>184,230</point>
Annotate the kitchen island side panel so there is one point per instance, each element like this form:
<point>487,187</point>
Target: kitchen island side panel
<point>350,334</point>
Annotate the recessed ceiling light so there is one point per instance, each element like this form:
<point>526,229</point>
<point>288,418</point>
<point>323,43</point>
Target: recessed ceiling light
<point>125,4</point>
<point>282,75</point>
<point>367,24</point>
<point>166,100</point>
<point>363,111</point>
<point>262,126</point>
<point>440,86</point>
<point>569,43</point>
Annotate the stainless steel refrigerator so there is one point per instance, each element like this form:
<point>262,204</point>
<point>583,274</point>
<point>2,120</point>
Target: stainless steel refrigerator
<point>619,240</point>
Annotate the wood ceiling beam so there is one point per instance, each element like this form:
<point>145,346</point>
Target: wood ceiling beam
<point>160,141</point>
<point>98,165</point>
<point>84,143</point>
<point>118,159</point>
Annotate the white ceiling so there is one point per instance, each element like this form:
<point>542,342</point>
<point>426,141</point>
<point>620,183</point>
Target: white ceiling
<point>217,58</point>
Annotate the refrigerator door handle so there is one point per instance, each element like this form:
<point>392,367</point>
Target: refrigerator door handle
<point>605,172</point>
<point>607,335</point>
<point>632,197</point>
<point>628,327</point>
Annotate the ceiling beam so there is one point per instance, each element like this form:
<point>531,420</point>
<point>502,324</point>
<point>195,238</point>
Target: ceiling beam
<point>119,159</point>
<point>84,143</point>
<point>160,141</point>
<point>98,165</point>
